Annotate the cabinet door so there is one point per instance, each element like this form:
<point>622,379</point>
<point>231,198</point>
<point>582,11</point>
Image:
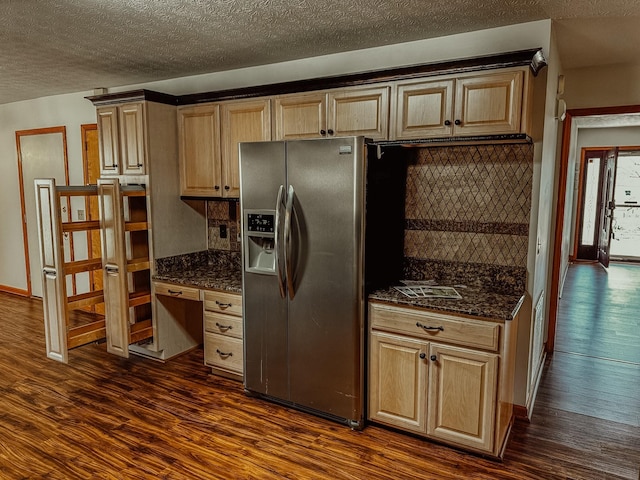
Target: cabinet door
<point>199,147</point>
<point>109,146</point>
<point>398,381</point>
<point>489,104</point>
<point>424,109</point>
<point>132,139</point>
<point>300,116</point>
<point>359,112</point>
<point>241,122</point>
<point>116,296</point>
<point>462,396</point>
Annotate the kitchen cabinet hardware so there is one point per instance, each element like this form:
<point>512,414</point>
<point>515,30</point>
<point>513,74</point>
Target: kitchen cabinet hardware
<point>223,305</point>
<point>330,132</point>
<point>323,132</point>
<point>433,358</point>
<point>175,292</point>
<point>458,122</point>
<point>224,328</point>
<point>427,327</point>
<point>447,122</point>
<point>226,187</point>
<point>224,354</point>
<point>216,187</point>
<point>423,356</point>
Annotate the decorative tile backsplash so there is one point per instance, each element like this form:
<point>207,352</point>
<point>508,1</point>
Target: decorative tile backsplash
<point>227,214</point>
<point>469,205</point>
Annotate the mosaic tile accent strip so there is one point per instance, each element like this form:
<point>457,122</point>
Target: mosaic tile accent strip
<point>451,226</point>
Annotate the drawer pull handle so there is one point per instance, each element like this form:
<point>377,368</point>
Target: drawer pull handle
<point>175,292</point>
<point>427,327</point>
<point>224,328</point>
<point>223,305</point>
<point>223,354</point>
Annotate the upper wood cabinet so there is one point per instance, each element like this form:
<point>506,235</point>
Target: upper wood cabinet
<point>208,144</point>
<point>243,121</point>
<point>122,139</point>
<point>344,112</point>
<point>474,104</point>
<point>199,147</point>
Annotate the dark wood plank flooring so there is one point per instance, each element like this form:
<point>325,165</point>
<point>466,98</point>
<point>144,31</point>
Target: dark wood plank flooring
<point>109,418</point>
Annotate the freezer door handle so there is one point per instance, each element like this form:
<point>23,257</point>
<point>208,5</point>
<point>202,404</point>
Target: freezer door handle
<point>287,241</point>
<point>277,245</point>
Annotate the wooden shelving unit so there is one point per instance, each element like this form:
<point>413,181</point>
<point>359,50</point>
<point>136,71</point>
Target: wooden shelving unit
<point>126,260</point>
<point>68,324</point>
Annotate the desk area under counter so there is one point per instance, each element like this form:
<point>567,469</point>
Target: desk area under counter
<point>207,286</point>
<point>444,368</point>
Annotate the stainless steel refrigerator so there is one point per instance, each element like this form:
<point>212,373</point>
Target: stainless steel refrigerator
<point>303,220</point>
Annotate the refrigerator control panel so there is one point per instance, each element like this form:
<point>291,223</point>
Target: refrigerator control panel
<point>260,222</point>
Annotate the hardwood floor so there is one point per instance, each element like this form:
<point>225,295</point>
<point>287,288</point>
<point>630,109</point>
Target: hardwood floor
<point>105,417</point>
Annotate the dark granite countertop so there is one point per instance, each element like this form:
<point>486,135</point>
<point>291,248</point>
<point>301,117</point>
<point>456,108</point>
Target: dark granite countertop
<point>475,301</point>
<point>208,269</point>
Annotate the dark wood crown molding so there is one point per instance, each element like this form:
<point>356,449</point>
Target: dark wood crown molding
<point>533,58</point>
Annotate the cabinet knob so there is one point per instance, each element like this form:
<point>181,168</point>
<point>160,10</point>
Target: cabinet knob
<point>433,358</point>
<point>458,122</point>
<point>323,132</point>
<point>227,187</point>
<point>447,122</point>
<point>423,355</point>
<point>216,187</point>
<point>330,132</point>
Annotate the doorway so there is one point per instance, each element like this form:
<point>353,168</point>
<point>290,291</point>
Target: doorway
<point>42,153</point>
<point>608,214</point>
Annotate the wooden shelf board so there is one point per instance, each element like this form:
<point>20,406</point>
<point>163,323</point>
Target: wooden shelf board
<point>80,226</point>
<point>76,190</point>
<point>133,191</point>
<point>135,226</point>
<point>141,330</point>
<point>138,264</point>
<point>139,298</point>
<point>84,334</point>
<point>85,299</point>
<point>82,266</point>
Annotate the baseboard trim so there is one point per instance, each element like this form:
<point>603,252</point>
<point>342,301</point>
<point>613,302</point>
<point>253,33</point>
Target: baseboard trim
<point>524,412</point>
<point>14,291</point>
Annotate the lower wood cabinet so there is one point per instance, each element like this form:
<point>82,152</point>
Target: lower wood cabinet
<point>458,395</point>
<point>223,335</point>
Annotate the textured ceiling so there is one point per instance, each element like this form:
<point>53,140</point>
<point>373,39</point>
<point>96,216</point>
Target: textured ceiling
<point>60,46</point>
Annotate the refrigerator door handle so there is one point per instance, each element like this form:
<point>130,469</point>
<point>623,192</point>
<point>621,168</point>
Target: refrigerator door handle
<point>287,241</point>
<point>279,254</point>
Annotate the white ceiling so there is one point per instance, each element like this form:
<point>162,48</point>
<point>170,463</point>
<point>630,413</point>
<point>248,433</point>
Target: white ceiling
<point>61,46</point>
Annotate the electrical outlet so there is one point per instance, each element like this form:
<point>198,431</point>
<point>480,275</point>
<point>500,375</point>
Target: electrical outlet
<point>81,215</point>
<point>223,231</point>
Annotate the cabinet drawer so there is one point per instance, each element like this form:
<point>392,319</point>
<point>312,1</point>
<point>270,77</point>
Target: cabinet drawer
<point>221,302</point>
<point>228,325</point>
<point>177,291</point>
<point>223,352</point>
<point>433,326</point>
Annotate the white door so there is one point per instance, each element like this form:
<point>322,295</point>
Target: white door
<point>42,155</point>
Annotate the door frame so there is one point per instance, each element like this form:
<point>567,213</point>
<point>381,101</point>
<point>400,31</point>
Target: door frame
<point>566,145</point>
<point>23,209</point>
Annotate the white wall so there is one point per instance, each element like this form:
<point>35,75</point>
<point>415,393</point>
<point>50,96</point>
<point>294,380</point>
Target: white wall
<point>72,110</point>
<point>605,86</point>
<point>528,355</point>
